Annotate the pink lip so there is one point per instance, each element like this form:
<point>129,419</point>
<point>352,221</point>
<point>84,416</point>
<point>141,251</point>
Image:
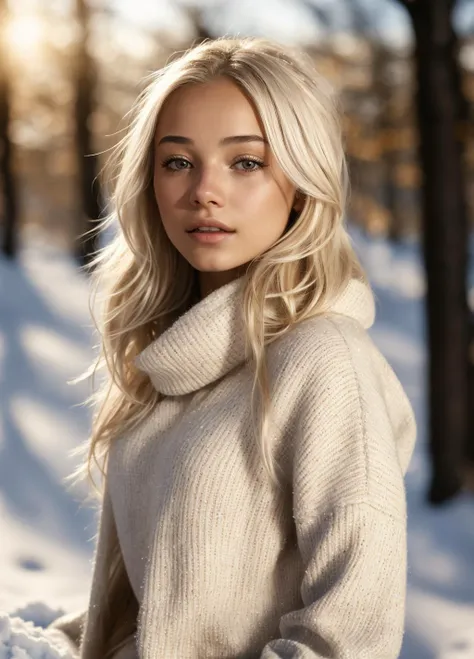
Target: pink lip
<point>210,222</point>
<point>210,238</point>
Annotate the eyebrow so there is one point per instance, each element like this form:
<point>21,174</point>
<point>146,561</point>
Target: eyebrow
<point>233,139</point>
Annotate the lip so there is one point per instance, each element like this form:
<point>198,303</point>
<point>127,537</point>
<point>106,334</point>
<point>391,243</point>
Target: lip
<point>211,222</point>
<point>211,238</point>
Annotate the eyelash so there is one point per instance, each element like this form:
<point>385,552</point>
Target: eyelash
<point>165,164</point>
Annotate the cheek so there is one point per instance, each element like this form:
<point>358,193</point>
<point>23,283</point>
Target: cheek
<point>166,204</point>
<point>268,230</point>
<point>169,187</point>
<point>265,209</point>
<point>163,194</point>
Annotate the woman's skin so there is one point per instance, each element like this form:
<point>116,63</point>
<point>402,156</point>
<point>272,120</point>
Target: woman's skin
<point>202,174</point>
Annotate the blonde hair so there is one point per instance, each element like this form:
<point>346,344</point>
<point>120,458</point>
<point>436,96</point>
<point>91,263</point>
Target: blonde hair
<point>146,284</point>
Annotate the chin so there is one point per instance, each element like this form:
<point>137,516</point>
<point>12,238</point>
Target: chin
<point>213,265</point>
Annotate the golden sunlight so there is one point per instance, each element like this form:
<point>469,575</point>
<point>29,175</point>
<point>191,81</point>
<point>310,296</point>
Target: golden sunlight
<point>24,36</point>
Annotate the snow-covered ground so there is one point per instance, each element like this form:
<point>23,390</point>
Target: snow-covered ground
<point>440,602</point>
<point>46,339</point>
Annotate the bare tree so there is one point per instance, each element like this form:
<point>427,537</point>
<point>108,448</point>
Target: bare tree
<point>196,17</point>
<point>364,23</point>
<point>441,116</point>
<point>442,111</point>
<point>10,210</point>
<point>90,210</point>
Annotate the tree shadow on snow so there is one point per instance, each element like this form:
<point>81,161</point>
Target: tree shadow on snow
<point>440,542</point>
<point>30,489</point>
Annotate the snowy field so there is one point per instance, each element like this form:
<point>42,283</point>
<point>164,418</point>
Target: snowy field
<point>46,532</point>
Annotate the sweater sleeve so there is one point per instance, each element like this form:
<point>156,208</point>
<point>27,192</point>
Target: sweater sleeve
<point>348,455</point>
<point>71,627</point>
<point>353,589</point>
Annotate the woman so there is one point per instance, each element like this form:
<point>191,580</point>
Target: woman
<point>253,440</point>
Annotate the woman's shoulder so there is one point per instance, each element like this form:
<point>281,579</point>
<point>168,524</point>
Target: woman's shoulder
<point>334,352</point>
<point>325,340</point>
<point>330,363</point>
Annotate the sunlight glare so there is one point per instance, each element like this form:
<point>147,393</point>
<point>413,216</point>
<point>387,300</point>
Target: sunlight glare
<point>25,36</point>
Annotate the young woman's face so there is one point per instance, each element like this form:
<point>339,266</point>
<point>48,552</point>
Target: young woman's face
<point>212,163</point>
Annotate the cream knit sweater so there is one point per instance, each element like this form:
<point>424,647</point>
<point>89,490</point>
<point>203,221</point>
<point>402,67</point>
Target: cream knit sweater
<point>219,564</point>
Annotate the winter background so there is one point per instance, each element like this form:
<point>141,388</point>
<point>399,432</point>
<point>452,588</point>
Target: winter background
<point>46,532</point>
<point>46,339</point>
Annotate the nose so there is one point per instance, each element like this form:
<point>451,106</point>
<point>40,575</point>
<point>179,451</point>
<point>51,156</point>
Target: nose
<point>207,189</point>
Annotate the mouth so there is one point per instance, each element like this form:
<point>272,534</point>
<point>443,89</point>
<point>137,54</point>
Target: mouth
<point>209,231</point>
<point>209,226</point>
<point>209,237</point>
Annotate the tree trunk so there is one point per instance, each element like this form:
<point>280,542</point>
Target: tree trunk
<point>7,179</point>
<point>383,89</point>
<point>441,112</point>
<point>195,14</point>
<point>91,201</point>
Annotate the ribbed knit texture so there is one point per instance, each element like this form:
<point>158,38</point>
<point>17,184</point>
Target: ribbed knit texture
<point>221,564</point>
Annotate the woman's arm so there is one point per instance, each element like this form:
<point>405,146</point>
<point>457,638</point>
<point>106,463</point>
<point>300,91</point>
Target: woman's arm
<point>71,625</point>
<point>353,588</point>
<point>350,447</point>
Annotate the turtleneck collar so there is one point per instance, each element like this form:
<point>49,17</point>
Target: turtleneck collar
<point>208,341</point>
<point>201,346</point>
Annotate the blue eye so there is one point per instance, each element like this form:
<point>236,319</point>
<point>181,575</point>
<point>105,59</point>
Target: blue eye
<point>175,161</point>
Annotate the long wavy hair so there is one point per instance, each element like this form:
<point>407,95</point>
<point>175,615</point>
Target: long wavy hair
<point>144,283</point>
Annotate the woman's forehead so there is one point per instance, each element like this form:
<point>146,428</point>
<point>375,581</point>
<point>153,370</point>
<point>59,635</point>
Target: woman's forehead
<point>212,110</point>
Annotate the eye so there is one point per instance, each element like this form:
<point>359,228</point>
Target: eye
<point>175,164</point>
<point>248,164</point>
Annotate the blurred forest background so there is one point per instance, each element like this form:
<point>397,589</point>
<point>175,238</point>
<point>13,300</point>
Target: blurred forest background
<point>75,67</point>
<point>71,69</point>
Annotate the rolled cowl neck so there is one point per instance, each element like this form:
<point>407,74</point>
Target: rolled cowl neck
<point>208,340</point>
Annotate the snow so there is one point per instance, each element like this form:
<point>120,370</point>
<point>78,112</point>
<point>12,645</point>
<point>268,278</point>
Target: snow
<point>440,600</point>
<point>45,340</point>
<point>46,533</point>
<point>23,640</point>
<point>39,613</point>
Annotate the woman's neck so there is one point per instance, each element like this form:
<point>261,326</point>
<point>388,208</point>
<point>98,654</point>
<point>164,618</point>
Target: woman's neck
<point>211,281</point>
